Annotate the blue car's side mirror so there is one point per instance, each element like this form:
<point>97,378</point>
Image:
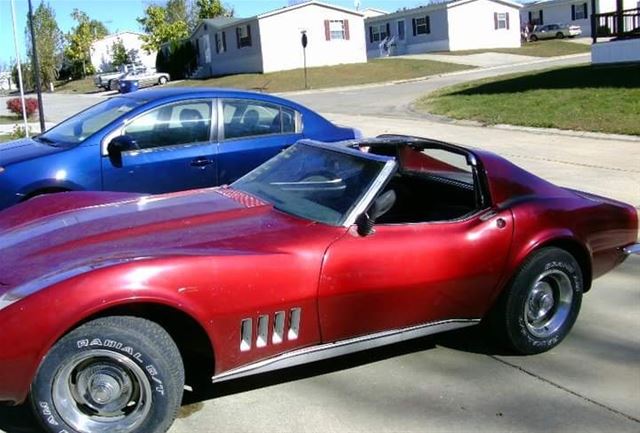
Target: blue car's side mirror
<point>123,143</point>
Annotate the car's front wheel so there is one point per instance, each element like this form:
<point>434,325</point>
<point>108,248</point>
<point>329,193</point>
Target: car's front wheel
<point>540,306</point>
<point>162,80</point>
<point>113,374</point>
<point>533,38</point>
<point>560,35</point>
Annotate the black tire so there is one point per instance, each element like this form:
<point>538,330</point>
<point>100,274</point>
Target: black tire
<point>539,307</point>
<point>560,35</point>
<point>125,368</point>
<point>533,38</point>
<point>113,85</point>
<point>162,80</point>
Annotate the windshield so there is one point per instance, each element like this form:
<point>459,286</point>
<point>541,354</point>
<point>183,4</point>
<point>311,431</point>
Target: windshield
<point>78,128</point>
<point>314,182</point>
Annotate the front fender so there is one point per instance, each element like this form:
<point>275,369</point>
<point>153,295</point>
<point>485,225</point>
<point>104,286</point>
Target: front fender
<point>32,325</point>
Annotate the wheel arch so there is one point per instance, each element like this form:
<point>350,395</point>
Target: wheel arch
<point>194,344</point>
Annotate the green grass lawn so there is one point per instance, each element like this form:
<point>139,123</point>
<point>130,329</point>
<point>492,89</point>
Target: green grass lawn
<point>5,137</point>
<point>84,85</point>
<point>584,98</point>
<point>7,120</point>
<point>374,71</point>
<point>550,48</point>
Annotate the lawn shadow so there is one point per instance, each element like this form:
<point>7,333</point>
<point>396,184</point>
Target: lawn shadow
<point>625,76</point>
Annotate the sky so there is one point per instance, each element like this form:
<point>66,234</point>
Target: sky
<point>120,15</point>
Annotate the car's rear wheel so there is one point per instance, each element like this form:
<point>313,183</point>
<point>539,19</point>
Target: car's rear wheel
<point>560,35</point>
<point>121,374</point>
<point>533,38</point>
<point>540,306</point>
<point>162,80</point>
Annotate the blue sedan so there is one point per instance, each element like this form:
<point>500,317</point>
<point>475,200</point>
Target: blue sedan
<point>159,140</point>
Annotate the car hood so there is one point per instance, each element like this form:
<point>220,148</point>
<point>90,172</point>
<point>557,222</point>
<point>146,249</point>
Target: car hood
<point>216,221</point>
<point>24,149</point>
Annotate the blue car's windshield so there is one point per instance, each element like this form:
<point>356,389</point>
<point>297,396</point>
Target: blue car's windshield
<point>312,182</point>
<point>78,128</point>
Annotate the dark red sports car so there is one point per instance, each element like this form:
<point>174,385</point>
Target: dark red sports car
<point>110,302</point>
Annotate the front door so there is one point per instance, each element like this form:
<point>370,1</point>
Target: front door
<point>176,151</point>
<point>405,275</point>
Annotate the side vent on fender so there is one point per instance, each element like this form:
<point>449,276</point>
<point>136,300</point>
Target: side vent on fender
<point>246,331</point>
<point>294,324</point>
<point>263,330</point>
<point>278,328</point>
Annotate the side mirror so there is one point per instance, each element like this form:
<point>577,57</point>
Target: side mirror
<point>123,143</point>
<point>380,206</point>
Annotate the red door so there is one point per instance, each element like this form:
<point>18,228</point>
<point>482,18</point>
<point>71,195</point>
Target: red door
<point>410,274</point>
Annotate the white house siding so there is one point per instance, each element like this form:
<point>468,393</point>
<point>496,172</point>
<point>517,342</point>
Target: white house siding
<point>281,38</point>
<point>560,11</point>
<point>437,39</point>
<point>472,25</point>
<point>101,50</point>
<point>237,60</point>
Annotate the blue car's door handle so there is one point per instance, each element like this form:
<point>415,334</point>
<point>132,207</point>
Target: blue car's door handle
<point>201,162</point>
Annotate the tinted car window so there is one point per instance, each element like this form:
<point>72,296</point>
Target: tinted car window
<point>246,118</point>
<point>170,125</point>
<point>81,126</point>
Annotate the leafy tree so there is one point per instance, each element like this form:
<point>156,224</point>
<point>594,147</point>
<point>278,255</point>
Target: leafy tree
<point>176,11</point>
<point>119,54</point>
<point>158,30</point>
<point>49,42</point>
<point>80,38</point>
<point>27,76</point>
<point>212,8</point>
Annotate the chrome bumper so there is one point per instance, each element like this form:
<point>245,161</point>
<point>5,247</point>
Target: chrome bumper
<point>632,249</point>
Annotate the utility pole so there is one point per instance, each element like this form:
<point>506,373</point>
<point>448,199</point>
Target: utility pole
<point>19,68</point>
<point>36,66</point>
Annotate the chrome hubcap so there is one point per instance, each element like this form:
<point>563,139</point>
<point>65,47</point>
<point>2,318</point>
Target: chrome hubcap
<point>548,303</point>
<point>99,391</point>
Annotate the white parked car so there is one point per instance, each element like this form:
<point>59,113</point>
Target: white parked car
<point>555,31</point>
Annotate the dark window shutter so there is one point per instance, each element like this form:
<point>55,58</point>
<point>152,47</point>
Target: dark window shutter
<point>371,34</point>
<point>238,36</point>
<point>413,21</point>
<point>495,20</point>
<point>388,30</point>
<point>541,18</point>
<point>217,45</point>
<point>530,16</point>
<point>249,34</point>
<point>427,19</point>
<point>346,29</point>
<point>586,10</point>
<point>507,20</point>
<point>573,12</point>
<point>327,30</point>
<point>224,41</point>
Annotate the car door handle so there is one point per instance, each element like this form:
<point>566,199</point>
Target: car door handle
<point>201,162</point>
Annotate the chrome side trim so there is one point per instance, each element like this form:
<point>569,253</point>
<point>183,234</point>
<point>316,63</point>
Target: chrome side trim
<point>632,249</point>
<point>330,350</point>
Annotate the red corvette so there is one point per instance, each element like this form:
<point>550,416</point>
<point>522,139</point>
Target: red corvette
<point>111,302</point>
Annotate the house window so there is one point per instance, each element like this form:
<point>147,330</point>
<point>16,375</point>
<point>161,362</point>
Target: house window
<point>336,29</point>
<point>221,42</point>
<point>378,32</point>
<point>243,36</point>
<point>421,26</point>
<point>536,18</point>
<point>501,20</point>
<point>579,12</point>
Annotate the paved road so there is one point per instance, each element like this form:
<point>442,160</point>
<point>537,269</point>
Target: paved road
<point>457,382</point>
